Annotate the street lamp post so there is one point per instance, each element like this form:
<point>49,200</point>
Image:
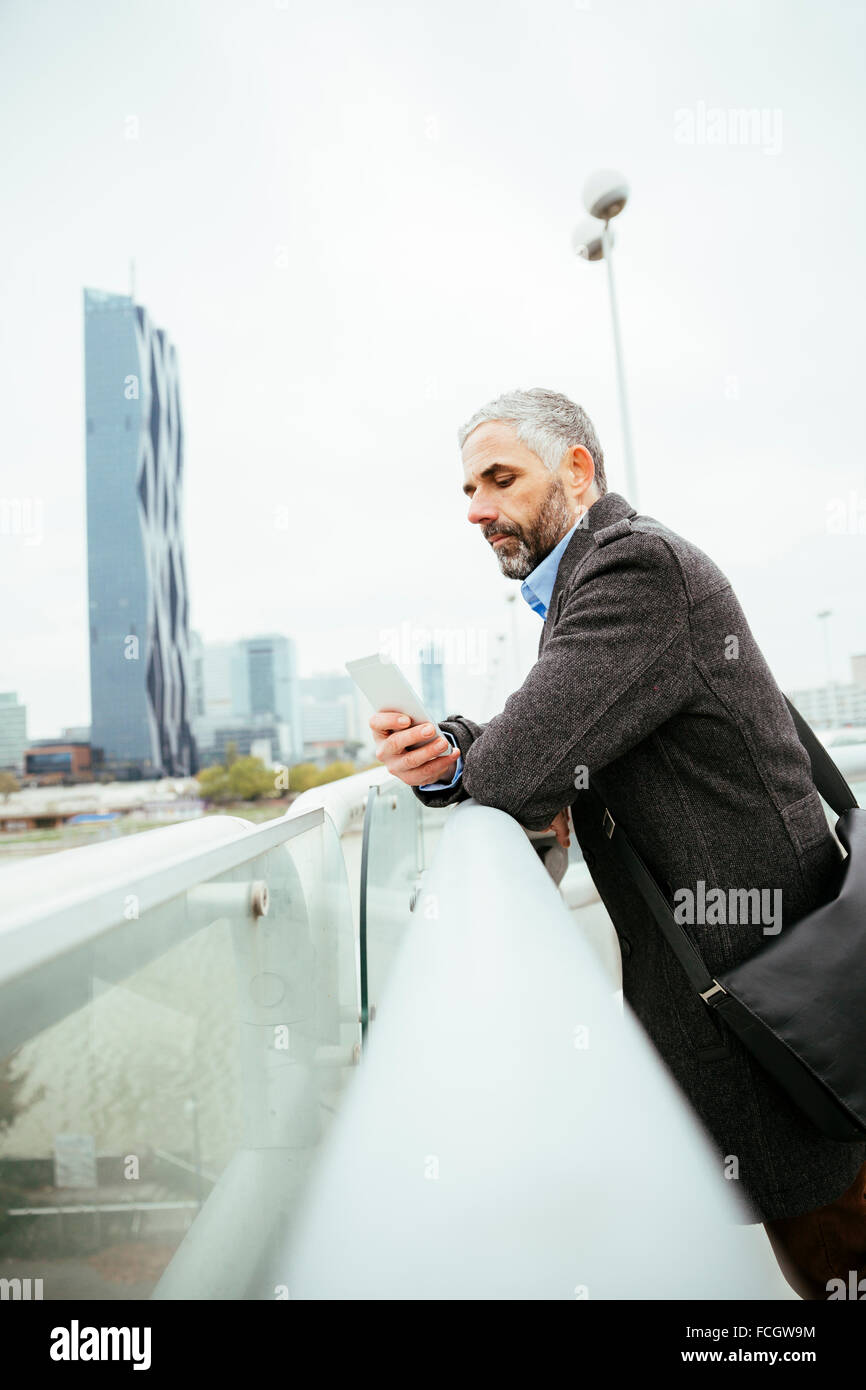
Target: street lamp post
<point>605,194</point>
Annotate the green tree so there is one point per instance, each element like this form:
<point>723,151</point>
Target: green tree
<point>8,784</point>
<point>248,779</point>
<point>303,776</point>
<point>231,753</point>
<point>214,783</point>
<point>334,771</point>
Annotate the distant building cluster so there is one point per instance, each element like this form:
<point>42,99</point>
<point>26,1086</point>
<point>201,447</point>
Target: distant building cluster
<point>332,718</point>
<point>164,702</point>
<point>248,693</point>
<point>13,732</point>
<point>829,706</point>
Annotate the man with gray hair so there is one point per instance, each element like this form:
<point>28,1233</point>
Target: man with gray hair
<point>650,696</point>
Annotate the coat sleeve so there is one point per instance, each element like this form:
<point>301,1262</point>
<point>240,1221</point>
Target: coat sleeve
<point>463,731</point>
<point>616,665</point>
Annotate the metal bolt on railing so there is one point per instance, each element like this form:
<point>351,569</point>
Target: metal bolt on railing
<point>208,902</point>
<point>259,898</point>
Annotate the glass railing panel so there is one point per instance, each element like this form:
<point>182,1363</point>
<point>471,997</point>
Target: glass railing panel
<point>120,1118</point>
<point>119,1122</point>
<point>400,837</point>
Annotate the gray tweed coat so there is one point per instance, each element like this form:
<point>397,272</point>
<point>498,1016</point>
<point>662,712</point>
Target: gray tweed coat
<point>649,677</point>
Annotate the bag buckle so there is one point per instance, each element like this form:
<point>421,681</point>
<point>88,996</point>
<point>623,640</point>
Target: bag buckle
<point>608,824</point>
<point>707,994</point>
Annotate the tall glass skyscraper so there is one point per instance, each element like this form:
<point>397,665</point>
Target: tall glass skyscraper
<point>432,679</point>
<point>272,676</point>
<point>139,605</point>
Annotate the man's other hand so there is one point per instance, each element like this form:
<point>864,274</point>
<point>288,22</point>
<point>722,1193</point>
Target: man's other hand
<point>392,731</point>
<point>559,824</point>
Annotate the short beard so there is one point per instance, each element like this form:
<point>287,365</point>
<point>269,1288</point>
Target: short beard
<point>520,557</point>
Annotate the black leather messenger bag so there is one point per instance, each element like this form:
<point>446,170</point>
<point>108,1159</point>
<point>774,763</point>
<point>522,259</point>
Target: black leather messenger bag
<point>799,1003</point>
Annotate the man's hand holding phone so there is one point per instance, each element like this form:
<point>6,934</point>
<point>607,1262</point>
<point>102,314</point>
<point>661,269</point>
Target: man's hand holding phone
<point>393,732</point>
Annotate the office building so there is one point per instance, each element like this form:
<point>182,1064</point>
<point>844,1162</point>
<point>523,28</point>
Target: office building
<point>261,740</point>
<point>432,680</point>
<point>332,717</point>
<point>50,760</point>
<point>139,602</point>
<point>830,706</point>
<point>246,691</point>
<point>196,676</point>
<point>13,732</point>
<point>270,666</point>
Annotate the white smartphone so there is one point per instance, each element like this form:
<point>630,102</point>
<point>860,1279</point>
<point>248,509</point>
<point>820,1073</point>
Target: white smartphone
<point>386,687</point>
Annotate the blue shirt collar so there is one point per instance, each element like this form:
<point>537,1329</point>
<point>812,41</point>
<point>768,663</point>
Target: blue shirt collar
<point>537,587</point>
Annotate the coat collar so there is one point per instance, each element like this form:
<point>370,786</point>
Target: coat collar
<point>607,511</point>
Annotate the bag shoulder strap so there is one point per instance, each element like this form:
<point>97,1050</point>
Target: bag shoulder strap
<point>687,955</point>
<point>835,791</point>
<point>825,774</point>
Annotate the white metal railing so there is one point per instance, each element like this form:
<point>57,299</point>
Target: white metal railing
<point>343,801</point>
<point>510,1133</point>
<point>57,908</point>
<point>56,905</point>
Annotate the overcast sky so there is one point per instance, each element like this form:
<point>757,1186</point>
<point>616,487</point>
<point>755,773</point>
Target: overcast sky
<point>354,221</point>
